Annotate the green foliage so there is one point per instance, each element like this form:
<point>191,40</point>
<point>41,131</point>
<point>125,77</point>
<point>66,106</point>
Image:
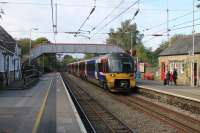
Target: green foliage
<point>62,65</point>
<point>122,36</point>
<point>88,56</point>
<point>145,55</point>
<point>68,59</point>
<point>49,60</point>
<point>40,40</point>
<point>24,43</point>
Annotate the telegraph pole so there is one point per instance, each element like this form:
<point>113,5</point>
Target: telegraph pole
<point>193,41</point>
<point>168,36</point>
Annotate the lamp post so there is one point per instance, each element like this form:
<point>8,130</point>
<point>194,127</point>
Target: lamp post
<point>135,28</point>
<point>30,45</point>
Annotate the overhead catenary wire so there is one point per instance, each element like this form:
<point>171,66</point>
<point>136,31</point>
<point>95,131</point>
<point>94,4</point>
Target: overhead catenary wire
<point>173,19</point>
<point>107,16</point>
<point>173,29</point>
<point>84,5</point>
<point>114,18</point>
<point>91,12</point>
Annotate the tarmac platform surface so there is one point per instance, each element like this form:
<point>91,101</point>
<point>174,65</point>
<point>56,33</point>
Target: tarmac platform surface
<point>187,92</point>
<point>45,107</point>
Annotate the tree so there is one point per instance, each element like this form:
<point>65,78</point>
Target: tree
<point>48,60</point>
<point>24,44</point>
<point>122,36</point>
<point>41,40</point>
<point>68,59</point>
<point>88,56</point>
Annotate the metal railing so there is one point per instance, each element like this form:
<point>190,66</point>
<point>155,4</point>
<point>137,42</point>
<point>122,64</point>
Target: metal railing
<point>30,74</point>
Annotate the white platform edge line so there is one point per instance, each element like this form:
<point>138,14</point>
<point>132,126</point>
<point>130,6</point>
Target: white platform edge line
<point>78,119</point>
<point>176,95</point>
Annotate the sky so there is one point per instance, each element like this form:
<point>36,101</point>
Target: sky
<point>23,15</point>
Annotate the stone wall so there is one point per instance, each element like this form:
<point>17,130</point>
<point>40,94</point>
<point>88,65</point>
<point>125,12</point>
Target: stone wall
<point>184,77</point>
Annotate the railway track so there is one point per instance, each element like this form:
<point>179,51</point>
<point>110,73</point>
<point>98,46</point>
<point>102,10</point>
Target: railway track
<point>96,117</point>
<point>182,122</point>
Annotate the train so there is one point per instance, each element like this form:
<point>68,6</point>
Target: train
<point>113,72</point>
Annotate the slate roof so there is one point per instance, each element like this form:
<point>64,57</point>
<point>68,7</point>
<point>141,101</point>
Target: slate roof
<point>182,46</point>
<point>6,40</point>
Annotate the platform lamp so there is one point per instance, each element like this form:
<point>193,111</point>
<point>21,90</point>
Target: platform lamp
<point>30,45</point>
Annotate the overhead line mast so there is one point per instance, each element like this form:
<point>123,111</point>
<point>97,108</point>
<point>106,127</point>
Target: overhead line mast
<point>168,36</point>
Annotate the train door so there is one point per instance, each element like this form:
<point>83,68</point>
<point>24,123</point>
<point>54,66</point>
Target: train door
<point>163,70</point>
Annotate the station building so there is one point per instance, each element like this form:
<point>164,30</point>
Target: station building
<point>179,56</point>
<point>10,59</point>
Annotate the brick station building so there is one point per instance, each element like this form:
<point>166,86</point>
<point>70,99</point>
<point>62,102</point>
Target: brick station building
<point>179,56</point>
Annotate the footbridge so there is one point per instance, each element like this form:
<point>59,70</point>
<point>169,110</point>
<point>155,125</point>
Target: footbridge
<point>74,48</point>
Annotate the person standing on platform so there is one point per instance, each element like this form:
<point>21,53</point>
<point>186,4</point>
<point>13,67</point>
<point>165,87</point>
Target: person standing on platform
<point>175,75</point>
<point>167,77</point>
<point>171,78</point>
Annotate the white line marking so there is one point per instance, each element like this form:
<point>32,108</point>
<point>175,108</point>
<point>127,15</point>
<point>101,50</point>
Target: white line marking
<point>78,119</point>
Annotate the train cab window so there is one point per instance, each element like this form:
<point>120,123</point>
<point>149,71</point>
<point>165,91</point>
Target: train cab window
<point>126,67</point>
<point>100,67</point>
<point>121,65</point>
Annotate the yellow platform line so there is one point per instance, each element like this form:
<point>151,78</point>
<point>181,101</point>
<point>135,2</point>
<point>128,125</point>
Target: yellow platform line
<point>41,110</point>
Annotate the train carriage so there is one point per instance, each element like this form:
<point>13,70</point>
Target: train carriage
<point>114,72</point>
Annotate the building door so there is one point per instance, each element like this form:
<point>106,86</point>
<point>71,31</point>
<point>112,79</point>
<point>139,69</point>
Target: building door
<point>194,74</point>
<point>162,71</point>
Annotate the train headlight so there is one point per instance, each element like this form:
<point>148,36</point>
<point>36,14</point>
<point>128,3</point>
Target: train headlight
<point>112,75</point>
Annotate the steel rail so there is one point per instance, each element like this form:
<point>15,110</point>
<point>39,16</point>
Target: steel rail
<point>162,113</point>
<point>80,110</point>
<point>111,122</point>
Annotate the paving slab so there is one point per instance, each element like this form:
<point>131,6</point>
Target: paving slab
<point>18,108</point>
<point>68,120</point>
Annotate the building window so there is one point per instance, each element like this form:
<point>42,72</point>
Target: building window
<point>178,65</point>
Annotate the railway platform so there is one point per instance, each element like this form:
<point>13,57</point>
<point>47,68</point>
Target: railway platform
<point>45,107</point>
<point>187,92</point>
<point>68,119</point>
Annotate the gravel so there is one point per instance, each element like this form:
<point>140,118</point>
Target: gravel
<point>134,118</point>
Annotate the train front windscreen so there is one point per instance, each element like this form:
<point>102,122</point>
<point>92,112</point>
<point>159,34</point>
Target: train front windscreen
<point>121,65</point>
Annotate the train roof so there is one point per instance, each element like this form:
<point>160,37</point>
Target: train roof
<point>111,55</point>
<point>118,55</point>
